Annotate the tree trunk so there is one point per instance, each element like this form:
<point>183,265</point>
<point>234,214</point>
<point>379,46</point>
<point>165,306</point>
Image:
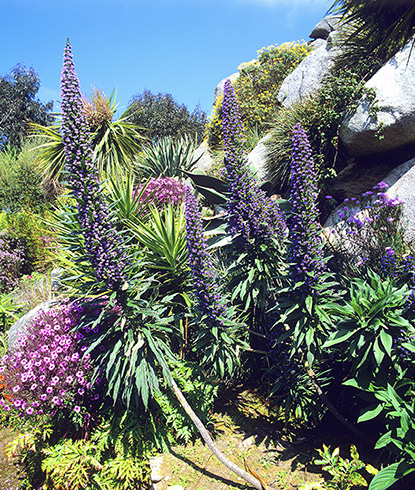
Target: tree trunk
<point>209,441</point>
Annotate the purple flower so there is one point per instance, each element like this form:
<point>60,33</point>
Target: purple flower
<point>200,264</point>
<point>103,245</point>
<point>162,191</point>
<point>43,384</point>
<point>252,216</point>
<point>304,253</point>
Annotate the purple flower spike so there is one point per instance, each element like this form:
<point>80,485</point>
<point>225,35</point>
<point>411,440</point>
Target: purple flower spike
<point>305,253</point>
<point>253,217</point>
<point>103,246</point>
<point>201,268</point>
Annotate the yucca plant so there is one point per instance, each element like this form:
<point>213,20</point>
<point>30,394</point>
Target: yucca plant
<point>129,203</point>
<point>164,240</point>
<point>167,157</point>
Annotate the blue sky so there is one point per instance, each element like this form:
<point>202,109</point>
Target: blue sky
<point>182,47</point>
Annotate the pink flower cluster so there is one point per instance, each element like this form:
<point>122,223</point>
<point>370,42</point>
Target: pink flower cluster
<point>48,370</point>
<point>162,191</point>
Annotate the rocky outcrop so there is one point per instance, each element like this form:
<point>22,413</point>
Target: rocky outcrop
<point>221,84</point>
<point>202,157</point>
<point>401,182</point>
<point>21,326</point>
<point>307,77</point>
<point>325,27</point>
<point>257,159</point>
<point>395,115</point>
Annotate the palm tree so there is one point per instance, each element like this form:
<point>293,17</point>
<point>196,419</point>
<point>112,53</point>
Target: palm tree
<point>115,143</point>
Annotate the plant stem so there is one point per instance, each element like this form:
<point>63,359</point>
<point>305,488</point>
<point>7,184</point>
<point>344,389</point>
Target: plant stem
<point>332,409</point>
<point>209,441</point>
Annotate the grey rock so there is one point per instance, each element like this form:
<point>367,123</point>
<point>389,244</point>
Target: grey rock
<point>221,84</point>
<point>23,323</point>
<point>156,469</point>
<point>306,79</point>
<point>401,182</point>
<point>53,283</point>
<point>325,27</point>
<point>257,159</point>
<point>394,85</point>
<point>204,157</point>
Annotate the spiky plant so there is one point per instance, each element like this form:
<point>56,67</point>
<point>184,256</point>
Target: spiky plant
<point>374,29</point>
<point>115,142</point>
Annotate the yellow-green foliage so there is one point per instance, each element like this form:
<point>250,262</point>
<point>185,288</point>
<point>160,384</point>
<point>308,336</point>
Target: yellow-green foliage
<point>257,87</point>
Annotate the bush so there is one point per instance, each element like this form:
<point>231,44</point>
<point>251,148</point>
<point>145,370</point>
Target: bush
<point>36,238</point>
<point>12,261</point>
<point>160,115</point>
<point>370,235</point>
<point>20,182</point>
<point>166,157</point>
<point>47,371</point>
<point>257,88</point>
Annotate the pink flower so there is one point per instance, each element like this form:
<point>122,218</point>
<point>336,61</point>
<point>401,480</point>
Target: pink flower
<point>76,409</point>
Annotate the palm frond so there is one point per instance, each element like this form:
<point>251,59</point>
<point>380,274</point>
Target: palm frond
<point>373,28</point>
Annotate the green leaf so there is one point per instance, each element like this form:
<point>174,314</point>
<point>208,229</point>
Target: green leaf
<point>390,475</point>
<point>309,304</point>
<point>339,337</point>
<point>384,440</point>
<point>370,413</point>
<point>377,352</point>
<point>386,340</point>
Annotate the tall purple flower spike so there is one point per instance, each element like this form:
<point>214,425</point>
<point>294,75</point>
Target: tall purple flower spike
<point>200,264</point>
<point>304,253</point>
<point>102,244</point>
<point>252,215</point>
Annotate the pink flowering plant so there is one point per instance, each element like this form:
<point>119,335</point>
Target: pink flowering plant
<point>370,233</point>
<point>162,191</point>
<point>48,370</point>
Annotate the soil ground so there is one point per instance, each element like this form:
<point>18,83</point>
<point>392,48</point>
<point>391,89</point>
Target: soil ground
<point>250,433</point>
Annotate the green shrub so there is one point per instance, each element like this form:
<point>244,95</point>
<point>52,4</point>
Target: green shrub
<point>166,157</point>
<point>20,182</point>
<point>257,88</point>
<point>36,237</point>
<point>321,116</point>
